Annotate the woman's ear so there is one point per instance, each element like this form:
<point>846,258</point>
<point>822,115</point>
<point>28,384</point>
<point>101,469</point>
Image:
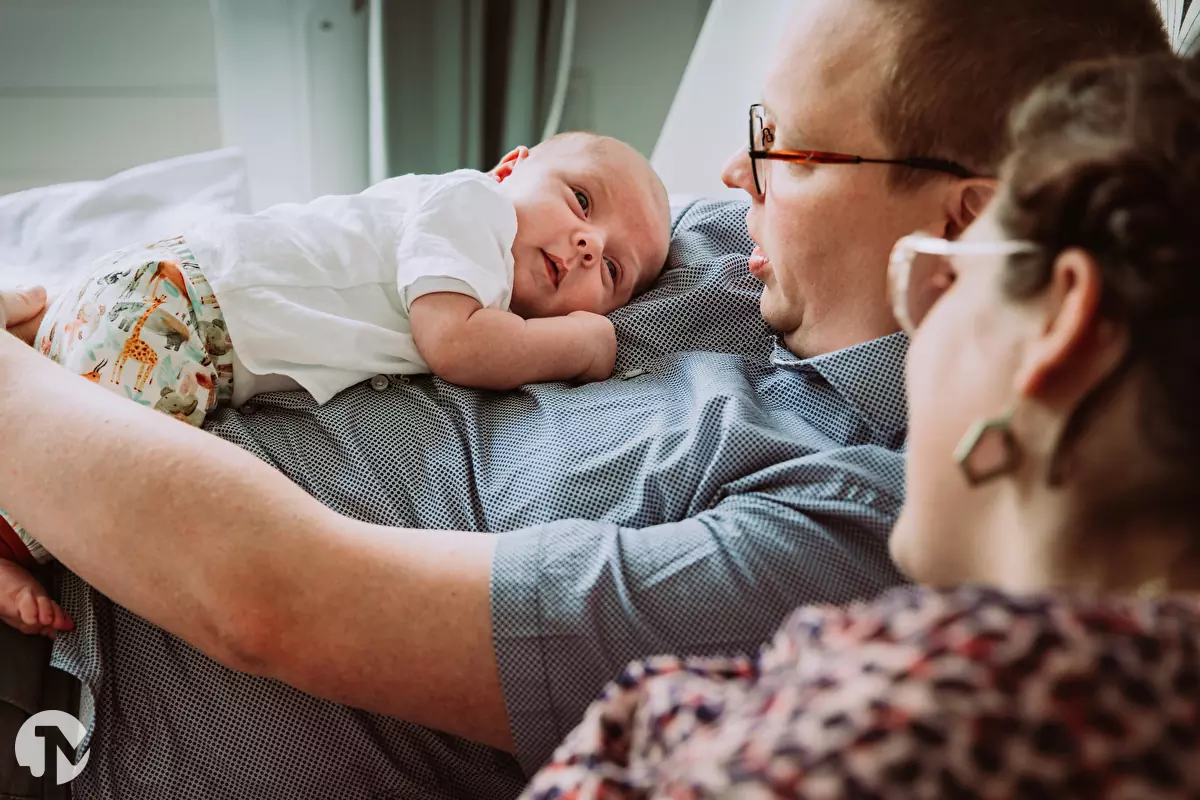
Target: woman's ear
<point>1073,347</point>
<point>966,203</point>
<point>505,167</point>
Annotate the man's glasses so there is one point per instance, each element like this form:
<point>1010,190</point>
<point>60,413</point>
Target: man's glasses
<point>920,271</point>
<point>762,136</point>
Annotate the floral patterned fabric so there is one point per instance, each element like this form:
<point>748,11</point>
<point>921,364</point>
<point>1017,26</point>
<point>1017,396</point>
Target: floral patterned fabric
<point>141,322</point>
<point>967,693</point>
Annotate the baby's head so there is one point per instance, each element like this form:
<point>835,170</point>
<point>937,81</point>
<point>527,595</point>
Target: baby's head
<point>593,224</point>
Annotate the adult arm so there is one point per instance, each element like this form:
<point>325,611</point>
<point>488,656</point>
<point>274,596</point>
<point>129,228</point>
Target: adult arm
<point>263,578</point>
<point>488,348</point>
<point>268,581</point>
<point>574,602</point>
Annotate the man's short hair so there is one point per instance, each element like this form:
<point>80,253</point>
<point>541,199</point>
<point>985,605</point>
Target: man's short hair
<point>958,67</point>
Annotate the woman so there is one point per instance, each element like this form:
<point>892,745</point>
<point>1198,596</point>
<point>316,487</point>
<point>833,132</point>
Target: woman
<point>1051,477</point>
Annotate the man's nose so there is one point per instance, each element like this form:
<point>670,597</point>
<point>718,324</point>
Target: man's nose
<point>738,174</point>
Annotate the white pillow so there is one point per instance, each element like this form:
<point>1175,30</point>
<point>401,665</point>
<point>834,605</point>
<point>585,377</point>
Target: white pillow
<point>708,116</point>
<point>50,233</point>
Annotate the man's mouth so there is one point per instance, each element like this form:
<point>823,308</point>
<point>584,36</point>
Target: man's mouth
<point>553,268</point>
<point>758,262</point>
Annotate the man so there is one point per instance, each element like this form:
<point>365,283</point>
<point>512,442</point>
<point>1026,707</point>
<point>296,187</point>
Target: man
<point>727,480</point>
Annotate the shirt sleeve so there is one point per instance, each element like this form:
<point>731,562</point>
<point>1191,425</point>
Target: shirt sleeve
<point>573,602</point>
<point>463,232</point>
<point>430,284</point>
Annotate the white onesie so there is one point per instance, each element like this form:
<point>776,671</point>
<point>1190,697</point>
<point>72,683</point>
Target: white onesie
<point>317,294</point>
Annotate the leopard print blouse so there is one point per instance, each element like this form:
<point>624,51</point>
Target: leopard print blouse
<point>965,693</point>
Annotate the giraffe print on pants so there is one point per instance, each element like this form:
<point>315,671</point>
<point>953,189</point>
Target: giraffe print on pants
<point>142,322</point>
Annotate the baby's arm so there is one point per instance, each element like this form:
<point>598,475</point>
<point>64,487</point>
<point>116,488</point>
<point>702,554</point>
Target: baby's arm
<point>486,348</point>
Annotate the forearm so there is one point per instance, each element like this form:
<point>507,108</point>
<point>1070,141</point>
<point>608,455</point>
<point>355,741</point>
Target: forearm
<point>499,350</point>
<point>209,543</point>
<point>718,583</point>
<point>393,621</point>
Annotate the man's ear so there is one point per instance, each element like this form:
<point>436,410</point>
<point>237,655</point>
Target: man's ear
<point>966,202</point>
<point>505,167</point>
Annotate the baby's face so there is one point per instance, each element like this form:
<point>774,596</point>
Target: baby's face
<point>592,226</point>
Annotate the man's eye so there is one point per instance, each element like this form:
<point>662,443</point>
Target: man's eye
<point>584,202</point>
<point>612,268</point>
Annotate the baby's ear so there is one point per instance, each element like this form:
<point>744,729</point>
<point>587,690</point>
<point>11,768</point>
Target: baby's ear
<point>505,167</point>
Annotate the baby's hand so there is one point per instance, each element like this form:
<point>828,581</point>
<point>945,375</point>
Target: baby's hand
<point>599,336</point>
<point>21,311</point>
<point>25,604</point>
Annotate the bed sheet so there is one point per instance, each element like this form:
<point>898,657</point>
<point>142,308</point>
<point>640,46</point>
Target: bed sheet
<point>49,233</point>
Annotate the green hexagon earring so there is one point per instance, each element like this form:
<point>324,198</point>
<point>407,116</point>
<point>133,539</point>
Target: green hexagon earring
<point>988,449</point>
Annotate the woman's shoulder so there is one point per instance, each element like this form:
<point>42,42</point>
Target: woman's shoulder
<point>975,685</point>
<point>921,692</point>
<point>1002,642</point>
<point>909,612</point>
<point>985,624</point>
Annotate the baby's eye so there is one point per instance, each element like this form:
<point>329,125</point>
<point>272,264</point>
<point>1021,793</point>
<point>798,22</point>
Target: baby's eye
<point>583,201</point>
<point>612,268</point>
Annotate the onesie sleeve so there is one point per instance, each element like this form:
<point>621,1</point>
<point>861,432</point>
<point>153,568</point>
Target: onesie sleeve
<point>459,239</point>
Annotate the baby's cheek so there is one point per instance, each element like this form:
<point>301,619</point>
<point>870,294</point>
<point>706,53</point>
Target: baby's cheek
<point>597,300</point>
<point>523,295</point>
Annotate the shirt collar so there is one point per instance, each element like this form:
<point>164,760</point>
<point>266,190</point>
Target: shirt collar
<point>868,376</point>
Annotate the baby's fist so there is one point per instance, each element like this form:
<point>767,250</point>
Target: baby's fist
<point>599,340</point>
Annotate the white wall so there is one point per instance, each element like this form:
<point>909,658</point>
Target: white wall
<point>709,116</point>
<point>629,57</point>
<point>91,87</point>
<point>293,94</point>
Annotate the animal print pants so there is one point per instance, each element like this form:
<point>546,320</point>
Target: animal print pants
<point>144,323</point>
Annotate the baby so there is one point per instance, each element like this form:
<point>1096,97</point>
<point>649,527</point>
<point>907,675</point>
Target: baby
<point>488,280</point>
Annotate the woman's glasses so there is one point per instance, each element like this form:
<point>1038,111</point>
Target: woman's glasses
<point>921,270</point>
<point>762,137</point>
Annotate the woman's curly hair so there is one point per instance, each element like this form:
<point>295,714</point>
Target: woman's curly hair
<point>1106,157</point>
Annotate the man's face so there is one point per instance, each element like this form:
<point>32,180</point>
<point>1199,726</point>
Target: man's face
<point>592,227</point>
<point>824,231</point>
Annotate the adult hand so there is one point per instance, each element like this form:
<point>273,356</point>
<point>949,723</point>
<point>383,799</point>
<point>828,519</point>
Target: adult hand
<point>21,311</point>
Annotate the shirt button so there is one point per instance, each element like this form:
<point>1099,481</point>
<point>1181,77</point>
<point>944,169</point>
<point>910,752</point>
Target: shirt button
<point>380,383</point>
